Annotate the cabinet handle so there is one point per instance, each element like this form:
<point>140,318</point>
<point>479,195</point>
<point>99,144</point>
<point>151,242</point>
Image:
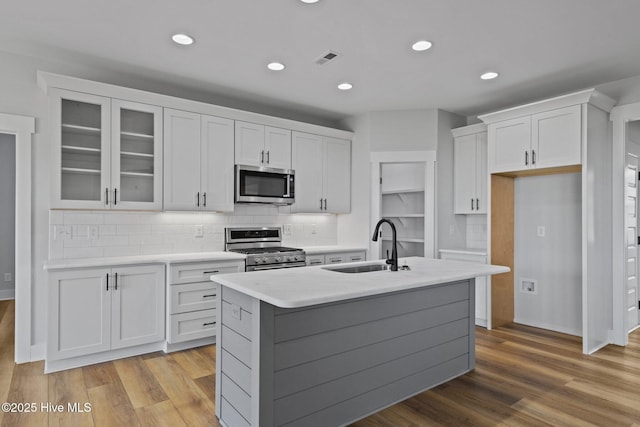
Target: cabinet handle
<point>471,204</point>
<point>268,157</point>
<point>477,204</point>
<point>116,284</point>
<point>115,196</point>
<point>209,323</point>
<point>209,296</point>
<point>106,197</point>
<point>325,204</point>
<point>533,157</point>
<point>526,158</point>
<point>198,199</point>
<point>107,282</point>
<point>204,197</point>
<point>315,262</point>
<point>262,157</point>
<point>211,272</point>
<point>320,203</point>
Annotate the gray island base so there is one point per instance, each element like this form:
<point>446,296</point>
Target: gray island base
<point>283,361</point>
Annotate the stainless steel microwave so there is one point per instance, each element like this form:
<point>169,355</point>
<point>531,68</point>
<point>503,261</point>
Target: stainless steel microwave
<point>256,184</point>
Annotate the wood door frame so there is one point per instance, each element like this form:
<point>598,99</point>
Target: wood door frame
<point>23,128</point>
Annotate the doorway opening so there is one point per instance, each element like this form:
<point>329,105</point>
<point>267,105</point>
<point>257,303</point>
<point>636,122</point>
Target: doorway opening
<point>631,224</point>
<point>7,215</point>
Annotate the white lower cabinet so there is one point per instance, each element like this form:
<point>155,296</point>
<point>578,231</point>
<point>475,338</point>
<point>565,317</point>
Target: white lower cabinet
<point>335,258</point>
<point>192,299</point>
<point>100,309</point>
<point>482,293</point>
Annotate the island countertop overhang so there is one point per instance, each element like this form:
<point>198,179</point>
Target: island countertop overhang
<point>307,286</point>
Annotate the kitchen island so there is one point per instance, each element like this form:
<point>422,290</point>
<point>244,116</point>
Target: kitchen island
<point>317,347</point>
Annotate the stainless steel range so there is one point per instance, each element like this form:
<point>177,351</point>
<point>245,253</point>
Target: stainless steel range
<point>262,245</point>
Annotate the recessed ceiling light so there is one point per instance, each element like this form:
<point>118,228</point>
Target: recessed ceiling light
<point>182,39</point>
<point>275,66</point>
<point>309,1</point>
<point>345,86</point>
<point>489,75</point>
<point>421,45</point>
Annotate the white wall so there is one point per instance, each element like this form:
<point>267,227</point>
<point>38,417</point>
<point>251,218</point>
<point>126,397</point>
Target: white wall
<point>403,130</point>
<point>451,229</point>
<point>555,260</point>
<point>7,213</point>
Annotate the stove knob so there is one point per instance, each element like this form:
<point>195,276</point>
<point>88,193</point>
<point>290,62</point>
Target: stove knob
<point>259,260</point>
<point>296,258</point>
<point>277,259</point>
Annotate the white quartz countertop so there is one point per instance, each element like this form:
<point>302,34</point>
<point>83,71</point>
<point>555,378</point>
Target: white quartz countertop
<point>61,264</point>
<point>314,250</point>
<point>302,287</point>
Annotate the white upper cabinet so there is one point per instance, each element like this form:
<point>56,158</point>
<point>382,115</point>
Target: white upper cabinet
<point>107,153</point>
<point>556,137</point>
<point>542,140</point>
<point>323,174</point>
<point>198,162</point>
<point>259,145</point>
<point>470,170</point>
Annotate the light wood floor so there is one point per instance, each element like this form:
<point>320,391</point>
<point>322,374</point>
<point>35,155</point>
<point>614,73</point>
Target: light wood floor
<point>524,376</point>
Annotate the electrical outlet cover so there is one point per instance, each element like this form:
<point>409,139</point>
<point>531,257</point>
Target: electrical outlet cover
<point>199,231</point>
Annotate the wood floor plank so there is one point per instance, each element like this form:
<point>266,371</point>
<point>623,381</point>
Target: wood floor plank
<point>193,405</point>
<point>194,363</point>
<point>100,374</point>
<point>207,386</point>
<point>160,415</point>
<point>29,385</point>
<point>141,385</point>
<point>66,388</point>
<point>110,406</point>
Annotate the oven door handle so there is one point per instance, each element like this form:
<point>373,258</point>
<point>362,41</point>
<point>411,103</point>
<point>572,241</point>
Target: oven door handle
<point>275,266</point>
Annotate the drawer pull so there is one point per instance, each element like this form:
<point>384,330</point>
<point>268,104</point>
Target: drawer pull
<point>209,323</point>
<point>211,271</point>
<point>209,296</point>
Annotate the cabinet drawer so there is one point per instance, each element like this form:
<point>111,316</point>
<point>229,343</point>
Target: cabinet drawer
<point>355,256</point>
<point>192,297</point>
<point>200,272</point>
<point>191,326</point>
<point>315,259</point>
<point>335,258</point>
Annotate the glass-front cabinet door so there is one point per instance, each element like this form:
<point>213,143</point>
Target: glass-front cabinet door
<point>108,153</point>
<point>136,155</point>
<point>82,150</point>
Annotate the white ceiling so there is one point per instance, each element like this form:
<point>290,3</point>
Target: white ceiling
<point>541,48</point>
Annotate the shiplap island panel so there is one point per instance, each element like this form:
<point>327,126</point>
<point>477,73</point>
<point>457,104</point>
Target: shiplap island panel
<point>315,347</point>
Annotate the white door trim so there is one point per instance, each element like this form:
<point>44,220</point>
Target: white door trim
<point>22,127</point>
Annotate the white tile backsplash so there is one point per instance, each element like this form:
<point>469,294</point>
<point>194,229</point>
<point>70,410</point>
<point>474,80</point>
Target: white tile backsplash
<point>146,233</point>
<point>477,231</point>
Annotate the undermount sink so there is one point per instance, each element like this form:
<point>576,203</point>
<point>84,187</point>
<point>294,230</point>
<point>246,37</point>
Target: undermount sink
<point>364,268</point>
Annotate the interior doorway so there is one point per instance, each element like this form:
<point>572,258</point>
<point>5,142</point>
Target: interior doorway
<point>22,128</point>
<point>7,215</point>
<point>632,177</point>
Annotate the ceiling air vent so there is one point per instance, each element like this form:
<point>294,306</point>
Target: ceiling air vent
<point>327,57</point>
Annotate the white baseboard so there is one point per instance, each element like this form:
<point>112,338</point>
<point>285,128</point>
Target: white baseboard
<point>543,325</point>
<point>7,294</point>
<point>170,348</point>
<point>38,352</point>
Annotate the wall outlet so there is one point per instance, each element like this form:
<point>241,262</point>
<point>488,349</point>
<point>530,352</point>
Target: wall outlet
<point>287,229</point>
<point>541,231</point>
<point>62,232</point>
<point>92,232</point>
<point>314,229</point>
<point>529,286</point>
<point>7,277</point>
<point>199,231</point>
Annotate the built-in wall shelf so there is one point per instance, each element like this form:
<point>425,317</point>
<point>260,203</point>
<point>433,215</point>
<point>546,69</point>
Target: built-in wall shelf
<point>403,191</point>
<point>81,171</point>
<point>403,215</point>
<point>133,135</point>
<point>82,130</point>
